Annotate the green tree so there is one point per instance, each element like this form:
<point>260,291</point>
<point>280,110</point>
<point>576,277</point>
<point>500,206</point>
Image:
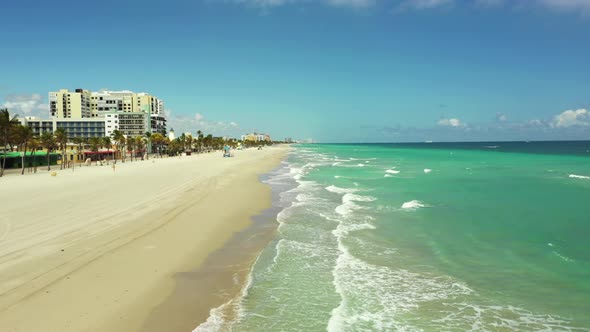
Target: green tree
<point>106,141</point>
<point>148,137</point>
<point>34,145</point>
<point>61,137</point>
<point>23,135</point>
<point>7,125</point>
<point>130,146</point>
<point>158,140</point>
<point>139,146</point>
<point>119,139</point>
<point>95,143</point>
<point>49,143</point>
<point>200,139</point>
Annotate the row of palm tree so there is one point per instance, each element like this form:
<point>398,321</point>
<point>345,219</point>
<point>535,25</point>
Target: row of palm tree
<point>13,134</point>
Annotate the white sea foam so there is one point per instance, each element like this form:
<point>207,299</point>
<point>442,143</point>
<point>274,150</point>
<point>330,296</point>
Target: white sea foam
<point>357,198</point>
<point>427,170</point>
<point>459,316</point>
<point>563,257</point>
<point>363,287</point>
<point>392,171</point>
<point>361,165</point>
<point>387,176</point>
<point>413,205</point>
<point>217,319</point>
<point>575,176</point>
<point>337,176</point>
<point>339,190</point>
<point>348,206</point>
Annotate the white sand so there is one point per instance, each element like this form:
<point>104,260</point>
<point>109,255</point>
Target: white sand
<point>95,249</point>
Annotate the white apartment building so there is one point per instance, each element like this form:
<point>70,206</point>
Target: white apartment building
<point>83,128</point>
<point>82,103</point>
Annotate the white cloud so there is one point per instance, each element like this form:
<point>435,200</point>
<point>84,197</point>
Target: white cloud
<point>452,122</point>
<point>335,3</point>
<point>351,3</point>
<point>488,3</point>
<point>401,5</point>
<point>197,121</point>
<point>425,4</point>
<point>566,5</point>
<point>571,118</point>
<point>26,105</point>
<point>501,117</point>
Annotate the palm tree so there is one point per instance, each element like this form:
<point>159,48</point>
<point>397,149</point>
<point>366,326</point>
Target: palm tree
<point>208,140</point>
<point>106,141</point>
<point>157,140</point>
<point>130,146</point>
<point>61,136</point>
<point>200,138</point>
<point>23,134</point>
<point>7,125</point>
<point>49,143</point>
<point>95,142</point>
<point>148,137</point>
<point>166,142</point>
<point>34,144</point>
<point>119,139</point>
<point>139,145</point>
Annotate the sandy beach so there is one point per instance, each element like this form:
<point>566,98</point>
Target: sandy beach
<point>97,249</point>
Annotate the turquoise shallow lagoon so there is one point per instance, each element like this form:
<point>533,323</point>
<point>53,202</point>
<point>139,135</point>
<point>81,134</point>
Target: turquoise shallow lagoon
<point>425,237</point>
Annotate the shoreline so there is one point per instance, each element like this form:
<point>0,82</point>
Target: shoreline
<point>226,270</point>
<point>112,278</point>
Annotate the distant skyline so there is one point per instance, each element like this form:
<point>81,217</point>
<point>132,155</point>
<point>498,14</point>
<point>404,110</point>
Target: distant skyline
<point>331,70</point>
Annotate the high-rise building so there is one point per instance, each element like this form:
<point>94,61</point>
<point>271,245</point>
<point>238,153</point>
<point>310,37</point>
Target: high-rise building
<point>81,103</point>
<point>70,104</point>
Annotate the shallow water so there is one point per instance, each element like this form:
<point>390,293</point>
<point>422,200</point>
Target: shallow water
<point>425,237</point>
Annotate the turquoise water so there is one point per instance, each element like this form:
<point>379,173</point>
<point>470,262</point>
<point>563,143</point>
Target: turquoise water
<point>424,238</point>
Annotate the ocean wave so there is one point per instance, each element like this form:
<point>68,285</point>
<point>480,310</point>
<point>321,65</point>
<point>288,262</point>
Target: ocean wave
<point>361,165</point>
<point>372,296</point>
<point>348,206</point>
<point>392,171</point>
<point>427,170</point>
<point>339,190</point>
<point>575,176</point>
<point>477,317</point>
<point>349,197</point>
<point>413,205</point>
<point>387,176</point>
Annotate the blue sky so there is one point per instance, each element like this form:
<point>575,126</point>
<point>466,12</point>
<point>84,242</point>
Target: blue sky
<point>332,70</point>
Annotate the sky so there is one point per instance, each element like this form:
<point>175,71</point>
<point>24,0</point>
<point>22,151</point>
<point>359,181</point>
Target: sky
<point>330,70</point>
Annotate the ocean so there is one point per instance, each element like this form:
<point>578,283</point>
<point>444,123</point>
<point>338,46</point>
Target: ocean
<point>423,237</point>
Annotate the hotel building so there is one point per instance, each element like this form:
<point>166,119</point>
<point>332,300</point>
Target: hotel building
<point>132,113</point>
<point>84,127</point>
